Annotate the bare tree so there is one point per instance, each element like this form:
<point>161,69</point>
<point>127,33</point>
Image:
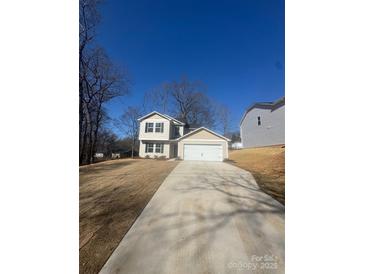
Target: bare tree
<point>235,136</point>
<point>156,99</point>
<point>184,99</point>
<point>102,82</point>
<point>223,116</point>
<point>108,142</point>
<point>88,19</point>
<point>129,124</point>
<point>99,81</point>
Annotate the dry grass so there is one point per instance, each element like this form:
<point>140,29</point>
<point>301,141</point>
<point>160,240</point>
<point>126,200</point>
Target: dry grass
<point>267,165</point>
<point>112,195</point>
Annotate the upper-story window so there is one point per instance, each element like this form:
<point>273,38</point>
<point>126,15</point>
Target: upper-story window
<point>176,132</point>
<point>159,127</point>
<point>149,127</point>
<point>258,120</point>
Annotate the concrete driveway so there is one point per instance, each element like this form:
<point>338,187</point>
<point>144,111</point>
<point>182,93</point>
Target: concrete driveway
<point>207,217</point>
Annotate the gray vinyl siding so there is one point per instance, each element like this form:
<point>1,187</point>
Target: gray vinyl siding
<point>270,132</point>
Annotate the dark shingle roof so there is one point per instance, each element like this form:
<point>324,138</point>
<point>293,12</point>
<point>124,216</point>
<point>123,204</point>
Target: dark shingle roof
<point>271,105</point>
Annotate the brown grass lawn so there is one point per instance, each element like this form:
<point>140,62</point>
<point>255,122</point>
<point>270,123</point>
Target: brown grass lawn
<point>112,195</point>
<point>267,165</point>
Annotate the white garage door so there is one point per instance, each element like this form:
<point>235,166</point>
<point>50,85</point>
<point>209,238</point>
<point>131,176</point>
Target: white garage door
<point>203,152</point>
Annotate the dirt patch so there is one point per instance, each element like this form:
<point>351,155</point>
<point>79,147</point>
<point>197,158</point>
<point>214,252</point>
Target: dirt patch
<point>267,165</point>
<point>112,195</point>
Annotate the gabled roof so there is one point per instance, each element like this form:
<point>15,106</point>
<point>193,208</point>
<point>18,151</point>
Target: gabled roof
<point>203,128</point>
<point>162,115</point>
<point>270,105</point>
<point>172,118</point>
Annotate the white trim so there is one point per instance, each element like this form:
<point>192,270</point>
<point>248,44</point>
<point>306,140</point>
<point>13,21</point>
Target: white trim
<point>218,145</point>
<point>167,117</point>
<point>160,127</point>
<point>151,113</point>
<point>203,128</point>
<point>157,139</point>
<point>148,147</point>
<point>204,140</point>
<point>147,127</point>
<point>161,147</point>
<point>172,118</point>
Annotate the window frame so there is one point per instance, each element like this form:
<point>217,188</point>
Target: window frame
<point>148,127</point>
<point>148,146</point>
<point>176,131</point>
<point>259,120</point>
<point>160,127</point>
<point>160,148</point>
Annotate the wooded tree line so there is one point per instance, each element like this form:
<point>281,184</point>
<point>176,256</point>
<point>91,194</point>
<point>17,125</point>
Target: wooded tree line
<point>100,81</point>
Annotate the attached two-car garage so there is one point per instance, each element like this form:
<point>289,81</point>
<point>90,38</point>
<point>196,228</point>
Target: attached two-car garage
<point>203,144</point>
<point>203,152</point>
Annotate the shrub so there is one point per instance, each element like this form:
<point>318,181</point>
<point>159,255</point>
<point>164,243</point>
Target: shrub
<point>162,158</point>
<point>147,156</point>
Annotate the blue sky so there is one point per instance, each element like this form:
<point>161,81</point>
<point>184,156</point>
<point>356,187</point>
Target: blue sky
<point>235,47</point>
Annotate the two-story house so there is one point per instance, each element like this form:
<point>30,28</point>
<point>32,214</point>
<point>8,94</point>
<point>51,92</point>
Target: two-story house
<point>263,124</point>
<point>163,135</point>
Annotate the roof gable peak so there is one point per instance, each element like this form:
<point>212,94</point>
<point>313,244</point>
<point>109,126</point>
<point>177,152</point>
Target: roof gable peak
<point>167,117</point>
<point>204,128</point>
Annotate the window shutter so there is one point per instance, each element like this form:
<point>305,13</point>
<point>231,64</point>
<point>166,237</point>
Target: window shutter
<point>145,128</point>
<point>162,146</point>
<point>145,148</point>
<point>162,127</point>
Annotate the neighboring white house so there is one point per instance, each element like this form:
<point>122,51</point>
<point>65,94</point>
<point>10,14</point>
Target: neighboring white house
<point>236,145</point>
<point>162,135</point>
<point>115,155</point>
<point>99,155</point>
<point>263,124</point>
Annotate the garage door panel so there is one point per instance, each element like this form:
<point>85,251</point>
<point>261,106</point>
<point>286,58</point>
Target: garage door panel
<point>203,152</point>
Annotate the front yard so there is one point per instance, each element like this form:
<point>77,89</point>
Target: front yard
<point>112,195</point>
<point>267,165</point>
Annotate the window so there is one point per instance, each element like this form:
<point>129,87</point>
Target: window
<point>159,148</point>
<point>159,127</point>
<point>258,120</point>
<point>149,148</point>
<point>149,127</point>
<point>176,132</point>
